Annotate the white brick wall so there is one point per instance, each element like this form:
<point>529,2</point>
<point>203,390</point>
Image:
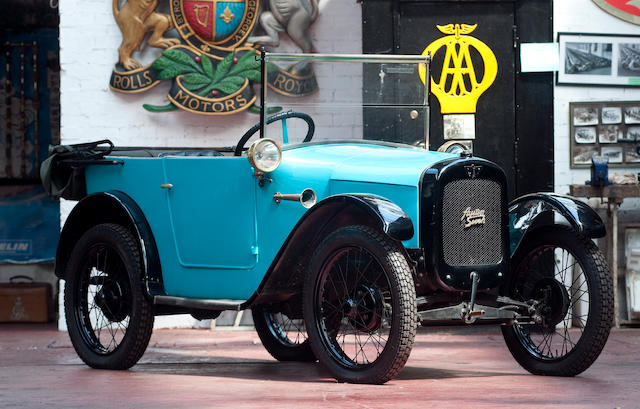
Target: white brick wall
<point>89,39</point>
<point>583,16</point>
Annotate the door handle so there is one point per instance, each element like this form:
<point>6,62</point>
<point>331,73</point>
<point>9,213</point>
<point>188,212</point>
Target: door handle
<point>166,186</point>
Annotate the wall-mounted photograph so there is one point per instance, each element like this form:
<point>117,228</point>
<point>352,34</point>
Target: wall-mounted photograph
<point>588,58</point>
<point>631,155</point>
<point>599,59</point>
<point>632,115</point>
<point>606,128</point>
<point>585,134</point>
<point>582,155</point>
<point>613,153</point>
<point>629,60</point>
<point>608,133</point>
<point>633,134</point>
<point>611,115</point>
<point>585,116</point>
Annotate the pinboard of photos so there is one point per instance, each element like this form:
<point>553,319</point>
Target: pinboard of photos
<point>609,129</point>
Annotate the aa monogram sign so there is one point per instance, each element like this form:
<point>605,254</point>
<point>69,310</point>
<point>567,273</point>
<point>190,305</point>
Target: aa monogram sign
<point>457,96</point>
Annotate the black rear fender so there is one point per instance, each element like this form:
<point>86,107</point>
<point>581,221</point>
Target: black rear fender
<point>111,207</point>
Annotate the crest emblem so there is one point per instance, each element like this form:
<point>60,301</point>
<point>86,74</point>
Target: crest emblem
<point>214,26</point>
<point>458,87</point>
<point>212,65</point>
<point>627,10</point>
<point>473,170</point>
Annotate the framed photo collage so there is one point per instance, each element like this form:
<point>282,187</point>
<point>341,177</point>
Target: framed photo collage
<point>610,129</point>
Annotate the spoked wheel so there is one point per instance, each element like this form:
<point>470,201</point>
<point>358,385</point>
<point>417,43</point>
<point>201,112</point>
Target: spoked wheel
<point>359,306</point>
<point>568,277</point>
<point>284,337</point>
<point>108,318</point>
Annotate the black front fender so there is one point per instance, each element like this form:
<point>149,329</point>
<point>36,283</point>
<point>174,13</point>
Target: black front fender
<point>528,213</point>
<point>285,275</point>
<point>111,207</point>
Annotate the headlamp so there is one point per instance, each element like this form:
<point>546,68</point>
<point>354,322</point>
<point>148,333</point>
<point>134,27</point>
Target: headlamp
<point>265,155</point>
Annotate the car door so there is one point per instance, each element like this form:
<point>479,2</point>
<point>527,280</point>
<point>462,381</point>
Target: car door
<point>212,211</point>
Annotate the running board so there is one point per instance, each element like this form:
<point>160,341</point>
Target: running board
<point>199,303</point>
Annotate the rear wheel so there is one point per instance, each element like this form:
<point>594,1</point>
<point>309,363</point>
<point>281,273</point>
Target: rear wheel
<point>284,337</point>
<point>108,317</point>
<point>359,305</point>
<point>569,278</point>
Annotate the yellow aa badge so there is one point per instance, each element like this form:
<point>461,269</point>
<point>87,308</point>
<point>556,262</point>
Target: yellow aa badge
<point>458,89</point>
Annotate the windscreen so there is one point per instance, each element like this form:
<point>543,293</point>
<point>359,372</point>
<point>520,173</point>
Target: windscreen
<point>357,97</point>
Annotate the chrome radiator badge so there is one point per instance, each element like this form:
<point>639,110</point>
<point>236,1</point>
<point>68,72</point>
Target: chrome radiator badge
<point>472,217</point>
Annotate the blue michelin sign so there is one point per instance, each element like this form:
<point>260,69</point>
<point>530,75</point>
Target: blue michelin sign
<point>16,247</point>
<point>29,225</point>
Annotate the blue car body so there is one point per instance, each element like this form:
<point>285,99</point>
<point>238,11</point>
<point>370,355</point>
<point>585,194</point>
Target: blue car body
<point>218,232</point>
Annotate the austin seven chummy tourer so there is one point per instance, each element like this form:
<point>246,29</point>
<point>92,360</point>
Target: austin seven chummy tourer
<point>336,225</point>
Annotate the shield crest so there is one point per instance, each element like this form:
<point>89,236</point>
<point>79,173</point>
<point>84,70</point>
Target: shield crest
<point>213,20</point>
<point>214,26</point>
<point>627,10</point>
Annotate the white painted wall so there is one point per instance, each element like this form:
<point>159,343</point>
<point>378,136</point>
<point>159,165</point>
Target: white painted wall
<point>89,39</point>
<point>583,16</point>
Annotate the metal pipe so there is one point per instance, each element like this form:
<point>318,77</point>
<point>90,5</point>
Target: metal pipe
<point>350,57</point>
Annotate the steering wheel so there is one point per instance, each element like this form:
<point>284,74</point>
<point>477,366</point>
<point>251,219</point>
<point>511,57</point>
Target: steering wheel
<point>282,116</point>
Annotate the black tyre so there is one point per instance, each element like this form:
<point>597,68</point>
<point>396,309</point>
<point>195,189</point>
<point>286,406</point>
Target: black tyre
<point>284,337</point>
<point>566,273</point>
<point>360,305</point>
<point>108,317</point>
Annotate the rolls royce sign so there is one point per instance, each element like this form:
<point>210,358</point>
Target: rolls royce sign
<point>627,10</point>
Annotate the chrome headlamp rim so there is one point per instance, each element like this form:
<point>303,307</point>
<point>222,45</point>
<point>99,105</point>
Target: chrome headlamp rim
<point>455,147</point>
<point>252,151</point>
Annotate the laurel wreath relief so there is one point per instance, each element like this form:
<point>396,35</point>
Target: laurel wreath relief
<point>202,76</point>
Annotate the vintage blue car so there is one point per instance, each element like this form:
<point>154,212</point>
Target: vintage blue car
<point>341,241</point>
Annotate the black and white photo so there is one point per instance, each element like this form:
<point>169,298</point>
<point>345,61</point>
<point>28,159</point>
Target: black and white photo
<point>588,58</point>
<point>586,134</point>
<point>599,59</point>
<point>613,153</point>
<point>611,115</point>
<point>633,134</point>
<point>582,155</point>
<point>632,115</point>
<point>608,133</point>
<point>585,116</point>
<point>629,60</point>
<point>631,155</point>
<point>459,126</point>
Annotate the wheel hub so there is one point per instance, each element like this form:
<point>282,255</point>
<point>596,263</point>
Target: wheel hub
<point>111,300</point>
<point>364,310</point>
<point>554,301</point>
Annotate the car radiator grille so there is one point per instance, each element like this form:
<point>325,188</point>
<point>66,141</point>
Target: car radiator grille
<point>477,244</point>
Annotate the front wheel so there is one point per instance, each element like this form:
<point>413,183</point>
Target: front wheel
<point>567,276</point>
<point>108,317</point>
<point>360,305</point>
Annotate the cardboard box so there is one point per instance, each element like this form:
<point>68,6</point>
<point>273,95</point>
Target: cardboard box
<point>24,302</point>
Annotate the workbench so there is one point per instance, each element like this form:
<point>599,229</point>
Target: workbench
<point>615,194</point>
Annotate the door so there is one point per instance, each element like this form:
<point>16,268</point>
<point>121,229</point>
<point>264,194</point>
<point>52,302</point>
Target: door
<point>212,209</point>
<point>514,115</point>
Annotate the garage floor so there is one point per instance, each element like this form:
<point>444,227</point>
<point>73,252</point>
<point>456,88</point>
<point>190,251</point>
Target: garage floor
<point>459,367</point>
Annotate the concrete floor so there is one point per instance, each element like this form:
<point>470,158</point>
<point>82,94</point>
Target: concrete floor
<point>460,367</point>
